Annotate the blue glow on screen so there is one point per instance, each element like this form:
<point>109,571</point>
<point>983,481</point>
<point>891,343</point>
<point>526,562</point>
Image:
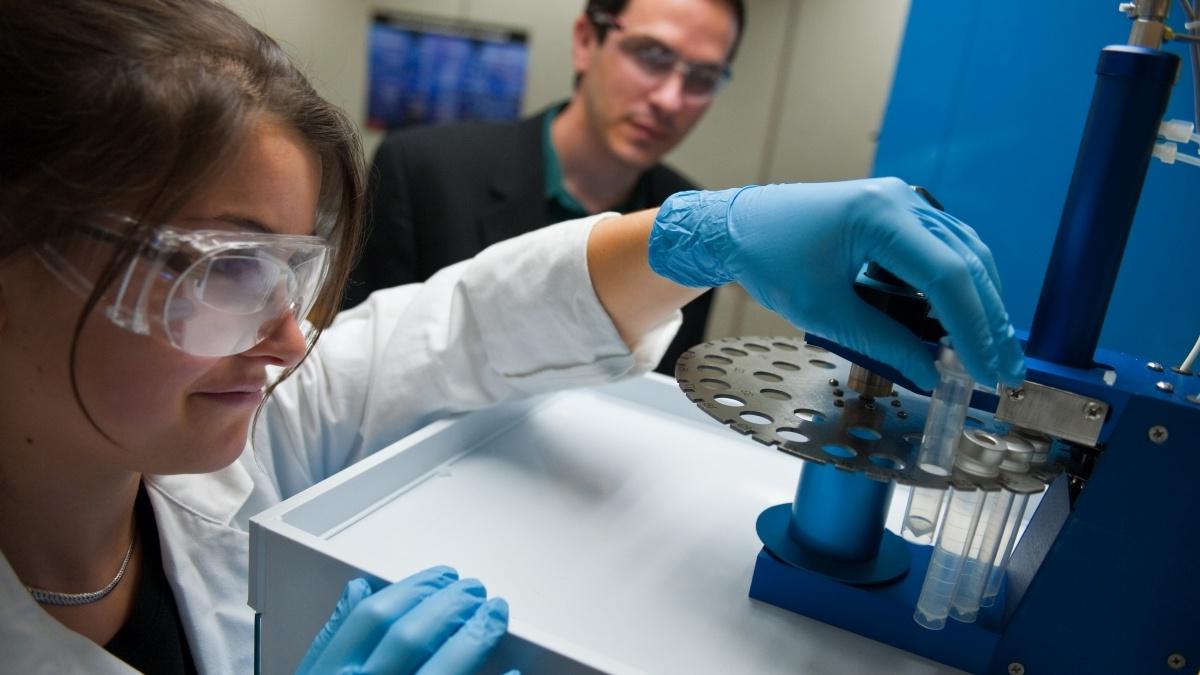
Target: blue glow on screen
<point>423,73</point>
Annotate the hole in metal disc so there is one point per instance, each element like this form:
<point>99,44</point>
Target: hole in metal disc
<point>776,394</point>
<point>933,469</point>
<point>838,450</point>
<point>714,385</point>
<point>768,377</point>
<point>865,433</point>
<point>793,435</point>
<point>887,461</point>
<point>973,423</point>
<point>710,369</point>
<point>810,415</point>
<point>734,352</point>
<point>731,401</point>
<point>755,347</point>
<point>822,364</point>
<point>716,358</point>
<point>784,365</point>
<point>785,346</point>
<point>814,348</point>
<point>756,417</point>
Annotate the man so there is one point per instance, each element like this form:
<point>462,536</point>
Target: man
<point>646,72</point>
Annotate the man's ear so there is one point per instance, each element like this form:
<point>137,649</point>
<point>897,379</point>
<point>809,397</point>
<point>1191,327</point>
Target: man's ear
<point>583,39</point>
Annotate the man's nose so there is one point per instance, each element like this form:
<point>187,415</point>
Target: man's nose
<point>667,96</point>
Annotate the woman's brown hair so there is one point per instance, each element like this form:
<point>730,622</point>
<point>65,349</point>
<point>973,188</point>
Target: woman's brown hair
<point>132,105</point>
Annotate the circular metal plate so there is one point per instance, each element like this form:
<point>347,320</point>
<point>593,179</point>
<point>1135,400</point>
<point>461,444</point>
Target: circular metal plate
<point>784,392</point>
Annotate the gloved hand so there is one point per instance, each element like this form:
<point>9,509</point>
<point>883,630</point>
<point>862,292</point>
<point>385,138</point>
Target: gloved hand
<point>427,623</point>
<point>797,249</point>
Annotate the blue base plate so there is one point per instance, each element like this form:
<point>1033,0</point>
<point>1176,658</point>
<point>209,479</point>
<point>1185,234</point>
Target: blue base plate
<point>882,612</point>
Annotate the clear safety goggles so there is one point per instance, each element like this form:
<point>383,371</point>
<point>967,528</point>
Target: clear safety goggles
<point>206,292</point>
<point>655,61</point>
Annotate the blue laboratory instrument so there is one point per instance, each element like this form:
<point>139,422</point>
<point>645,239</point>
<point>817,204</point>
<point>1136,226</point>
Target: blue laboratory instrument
<point>1111,439</point>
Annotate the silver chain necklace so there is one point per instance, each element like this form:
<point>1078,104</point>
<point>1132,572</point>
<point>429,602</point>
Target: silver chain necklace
<point>72,599</point>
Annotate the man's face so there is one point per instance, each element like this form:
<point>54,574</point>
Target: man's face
<point>638,115</point>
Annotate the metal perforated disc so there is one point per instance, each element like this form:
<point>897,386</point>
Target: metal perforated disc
<point>783,392</point>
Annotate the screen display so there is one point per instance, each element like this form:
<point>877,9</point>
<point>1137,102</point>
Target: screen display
<point>431,71</point>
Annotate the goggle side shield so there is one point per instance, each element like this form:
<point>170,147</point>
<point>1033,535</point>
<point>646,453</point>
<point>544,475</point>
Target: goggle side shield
<point>206,292</point>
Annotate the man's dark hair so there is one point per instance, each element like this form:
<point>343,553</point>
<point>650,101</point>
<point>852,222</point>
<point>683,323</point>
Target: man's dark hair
<point>613,8</point>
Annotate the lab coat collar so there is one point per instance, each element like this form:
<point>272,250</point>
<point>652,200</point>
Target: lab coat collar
<point>206,558</point>
<point>216,497</point>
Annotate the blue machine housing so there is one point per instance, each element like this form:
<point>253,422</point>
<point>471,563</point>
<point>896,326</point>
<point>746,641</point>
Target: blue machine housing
<point>1104,578</point>
<point>1106,585</point>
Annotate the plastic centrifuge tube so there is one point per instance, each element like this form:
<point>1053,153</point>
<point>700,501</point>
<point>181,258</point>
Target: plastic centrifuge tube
<point>1008,540</point>
<point>1019,442</point>
<point>977,563</point>
<point>980,454</point>
<point>945,565</point>
<point>943,426</point>
<point>922,514</point>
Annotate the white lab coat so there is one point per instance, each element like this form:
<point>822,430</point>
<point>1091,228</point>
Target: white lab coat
<point>518,319</point>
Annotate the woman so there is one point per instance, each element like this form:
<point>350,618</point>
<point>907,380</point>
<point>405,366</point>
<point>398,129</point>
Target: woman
<point>175,200</point>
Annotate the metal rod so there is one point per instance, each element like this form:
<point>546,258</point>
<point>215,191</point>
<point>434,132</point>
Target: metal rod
<point>1133,85</point>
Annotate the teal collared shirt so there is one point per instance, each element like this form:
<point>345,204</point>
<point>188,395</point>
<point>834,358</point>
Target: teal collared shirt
<point>560,204</point>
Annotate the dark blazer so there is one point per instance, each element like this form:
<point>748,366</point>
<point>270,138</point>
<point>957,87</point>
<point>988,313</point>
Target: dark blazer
<point>438,195</point>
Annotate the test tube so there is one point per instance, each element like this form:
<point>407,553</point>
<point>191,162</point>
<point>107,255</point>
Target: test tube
<point>943,427</point>
<point>921,515</point>
<point>978,453</point>
<point>977,564</point>
<point>1025,449</point>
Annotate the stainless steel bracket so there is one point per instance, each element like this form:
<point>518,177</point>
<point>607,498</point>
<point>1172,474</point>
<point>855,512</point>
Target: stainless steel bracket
<point>1054,412</point>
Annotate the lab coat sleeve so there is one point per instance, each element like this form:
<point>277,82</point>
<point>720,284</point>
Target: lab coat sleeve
<point>520,318</point>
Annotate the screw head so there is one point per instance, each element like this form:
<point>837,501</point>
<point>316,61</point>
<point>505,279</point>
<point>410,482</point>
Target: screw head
<point>839,403</point>
<point>833,382</point>
<point>1164,386</point>
<point>1016,394</point>
<point>1093,410</point>
<point>838,392</point>
<point>1158,434</point>
<point>902,414</point>
<point>896,403</point>
<point>1155,366</point>
<point>1176,661</point>
<point>1015,668</point>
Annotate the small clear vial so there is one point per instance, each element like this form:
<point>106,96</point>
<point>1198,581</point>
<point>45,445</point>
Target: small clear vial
<point>978,453</point>
<point>943,426</point>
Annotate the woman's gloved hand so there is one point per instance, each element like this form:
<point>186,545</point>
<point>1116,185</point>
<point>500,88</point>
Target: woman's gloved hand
<point>797,249</point>
<point>428,623</point>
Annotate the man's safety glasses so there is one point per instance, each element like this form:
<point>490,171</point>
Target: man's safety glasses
<point>656,61</point>
<point>206,292</point>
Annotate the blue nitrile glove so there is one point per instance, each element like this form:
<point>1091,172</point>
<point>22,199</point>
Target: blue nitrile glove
<point>429,623</point>
<point>797,249</point>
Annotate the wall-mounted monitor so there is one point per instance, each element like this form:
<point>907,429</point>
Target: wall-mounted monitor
<point>426,70</point>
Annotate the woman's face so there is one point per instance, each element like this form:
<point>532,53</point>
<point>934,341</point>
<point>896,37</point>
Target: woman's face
<point>165,411</point>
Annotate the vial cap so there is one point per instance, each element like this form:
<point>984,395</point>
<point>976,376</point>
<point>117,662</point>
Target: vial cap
<point>1020,450</point>
<point>1040,443</point>
<point>980,453</point>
